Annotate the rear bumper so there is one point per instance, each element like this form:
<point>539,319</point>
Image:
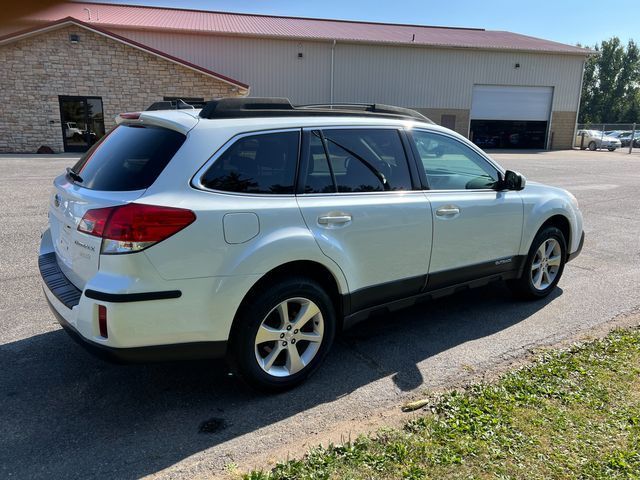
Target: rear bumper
<point>155,353</point>
<point>573,255</point>
<point>75,311</point>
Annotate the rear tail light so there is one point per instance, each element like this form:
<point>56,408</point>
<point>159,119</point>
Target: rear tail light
<point>134,227</point>
<point>102,321</point>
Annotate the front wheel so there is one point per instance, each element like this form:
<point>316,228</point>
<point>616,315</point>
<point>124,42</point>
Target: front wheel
<point>282,334</point>
<point>592,146</point>
<point>611,149</point>
<point>543,267</point>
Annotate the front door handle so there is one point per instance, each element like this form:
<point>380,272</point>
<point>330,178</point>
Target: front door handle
<point>448,211</point>
<point>334,219</point>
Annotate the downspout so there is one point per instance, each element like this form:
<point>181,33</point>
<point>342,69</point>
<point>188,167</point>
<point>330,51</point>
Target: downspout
<point>575,129</point>
<point>333,50</point>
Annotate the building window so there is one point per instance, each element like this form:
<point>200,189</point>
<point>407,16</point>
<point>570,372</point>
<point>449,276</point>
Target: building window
<point>82,121</point>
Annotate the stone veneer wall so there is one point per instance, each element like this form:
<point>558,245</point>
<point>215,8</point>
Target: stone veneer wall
<point>36,70</point>
<point>563,126</point>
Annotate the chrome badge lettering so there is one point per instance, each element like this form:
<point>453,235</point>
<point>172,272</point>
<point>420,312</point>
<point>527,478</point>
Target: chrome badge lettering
<point>84,245</point>
<point>504,260</point>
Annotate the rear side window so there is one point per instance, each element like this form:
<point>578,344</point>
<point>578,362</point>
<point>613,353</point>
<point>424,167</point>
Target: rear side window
<point>360,160</point>
<point>128,158</point>
<point>263,163</point>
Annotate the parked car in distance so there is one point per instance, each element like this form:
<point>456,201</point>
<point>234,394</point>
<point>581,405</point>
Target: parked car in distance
<point>594,139</point>
<point>71,130</point>
<point>625,139</point>
<point>257,231</point>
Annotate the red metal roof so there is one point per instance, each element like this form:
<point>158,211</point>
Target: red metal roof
<point>198,21</point>
<point>70,20</point>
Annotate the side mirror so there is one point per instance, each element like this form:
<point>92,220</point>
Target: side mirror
<point>513,181</point>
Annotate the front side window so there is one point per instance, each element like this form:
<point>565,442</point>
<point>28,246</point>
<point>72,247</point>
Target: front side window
<point>263,163</point>
<point>359,160</point>
<point>451,165</point>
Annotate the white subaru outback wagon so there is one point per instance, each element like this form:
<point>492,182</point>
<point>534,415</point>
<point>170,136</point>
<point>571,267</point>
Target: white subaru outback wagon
<point>255,230</point>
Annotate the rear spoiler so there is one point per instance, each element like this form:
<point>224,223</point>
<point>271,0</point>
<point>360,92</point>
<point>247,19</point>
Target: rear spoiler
<point>179,120</point>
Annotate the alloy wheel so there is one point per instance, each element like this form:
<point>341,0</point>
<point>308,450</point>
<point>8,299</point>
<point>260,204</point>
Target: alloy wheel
<point>546,264</point>
<point>289,337</point>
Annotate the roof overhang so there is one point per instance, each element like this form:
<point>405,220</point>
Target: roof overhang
<point>65,22</point>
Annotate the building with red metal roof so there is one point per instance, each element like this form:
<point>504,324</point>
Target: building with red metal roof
<point>502,89</point>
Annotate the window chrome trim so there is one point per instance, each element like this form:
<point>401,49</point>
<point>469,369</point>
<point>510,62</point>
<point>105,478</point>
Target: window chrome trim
<point>196,180</point>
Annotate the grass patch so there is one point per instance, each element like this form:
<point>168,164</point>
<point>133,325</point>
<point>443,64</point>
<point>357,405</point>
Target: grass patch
<point>570,414</point>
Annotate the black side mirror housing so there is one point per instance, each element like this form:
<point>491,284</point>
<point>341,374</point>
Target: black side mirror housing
<point>513,181</point>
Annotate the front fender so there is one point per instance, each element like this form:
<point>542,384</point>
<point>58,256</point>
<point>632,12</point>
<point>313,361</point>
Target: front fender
<point>540,204</point>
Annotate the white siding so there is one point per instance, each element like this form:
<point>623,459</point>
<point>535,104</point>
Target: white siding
<point>407,76</point>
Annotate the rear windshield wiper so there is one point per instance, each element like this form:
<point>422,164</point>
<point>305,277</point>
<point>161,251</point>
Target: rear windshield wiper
<point>74,175</point>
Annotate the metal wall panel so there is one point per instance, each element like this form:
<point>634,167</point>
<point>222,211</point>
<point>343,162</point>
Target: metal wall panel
<point>408,76</point>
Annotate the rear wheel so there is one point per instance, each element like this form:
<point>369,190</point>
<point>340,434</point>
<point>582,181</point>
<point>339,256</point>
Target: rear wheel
<point>544,265</point>
<point>283,334</point>
<point>592,146</point>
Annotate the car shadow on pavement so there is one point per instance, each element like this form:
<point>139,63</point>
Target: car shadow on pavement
<point>65,414</point>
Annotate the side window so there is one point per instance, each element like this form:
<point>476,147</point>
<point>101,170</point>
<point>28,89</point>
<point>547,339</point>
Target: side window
<point>362,160</point>
<point>318,173</point>
<point>451,165</point>
<point>263,163</point>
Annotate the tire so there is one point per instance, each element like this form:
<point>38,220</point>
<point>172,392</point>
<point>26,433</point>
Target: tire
<point>611,149</point>
<point>262,314</point>
<point>592,146</point>
<point>530,286</point>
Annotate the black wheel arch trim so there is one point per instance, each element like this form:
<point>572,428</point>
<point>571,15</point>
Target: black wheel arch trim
<point>573,255</point>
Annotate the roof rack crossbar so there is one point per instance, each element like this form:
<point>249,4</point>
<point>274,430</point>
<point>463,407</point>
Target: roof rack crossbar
<point>247,107</point>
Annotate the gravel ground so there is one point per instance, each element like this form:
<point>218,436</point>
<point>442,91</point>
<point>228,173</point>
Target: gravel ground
<point>65,414</point>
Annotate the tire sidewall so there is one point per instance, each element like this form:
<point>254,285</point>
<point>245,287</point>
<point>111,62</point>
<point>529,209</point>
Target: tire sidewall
<point>546,234</point>
<point>251,315</point>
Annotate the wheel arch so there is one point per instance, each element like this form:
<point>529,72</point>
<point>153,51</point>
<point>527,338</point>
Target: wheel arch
<point>307,268</point>
<point>563,224</point>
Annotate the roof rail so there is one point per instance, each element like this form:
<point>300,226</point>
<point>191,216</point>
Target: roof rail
<point>246,107</point>
<point>375,108</point>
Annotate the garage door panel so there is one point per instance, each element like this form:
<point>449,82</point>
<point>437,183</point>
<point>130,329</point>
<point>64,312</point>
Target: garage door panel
<point>499,102</point>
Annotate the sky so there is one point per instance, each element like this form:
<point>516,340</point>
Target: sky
<point>567,21</point>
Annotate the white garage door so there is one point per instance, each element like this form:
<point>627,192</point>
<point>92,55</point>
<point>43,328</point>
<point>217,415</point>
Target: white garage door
<point>495,102</point>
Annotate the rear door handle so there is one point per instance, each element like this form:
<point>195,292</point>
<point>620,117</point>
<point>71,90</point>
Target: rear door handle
<point>337,219</point>
<point>448,211</point>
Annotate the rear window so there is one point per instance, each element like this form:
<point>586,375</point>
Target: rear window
<point>128,158</point>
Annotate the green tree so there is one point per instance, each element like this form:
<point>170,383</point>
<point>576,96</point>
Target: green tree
<point>611,86</point>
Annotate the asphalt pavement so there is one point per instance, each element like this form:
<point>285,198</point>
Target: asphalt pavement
<point>65,414</point>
